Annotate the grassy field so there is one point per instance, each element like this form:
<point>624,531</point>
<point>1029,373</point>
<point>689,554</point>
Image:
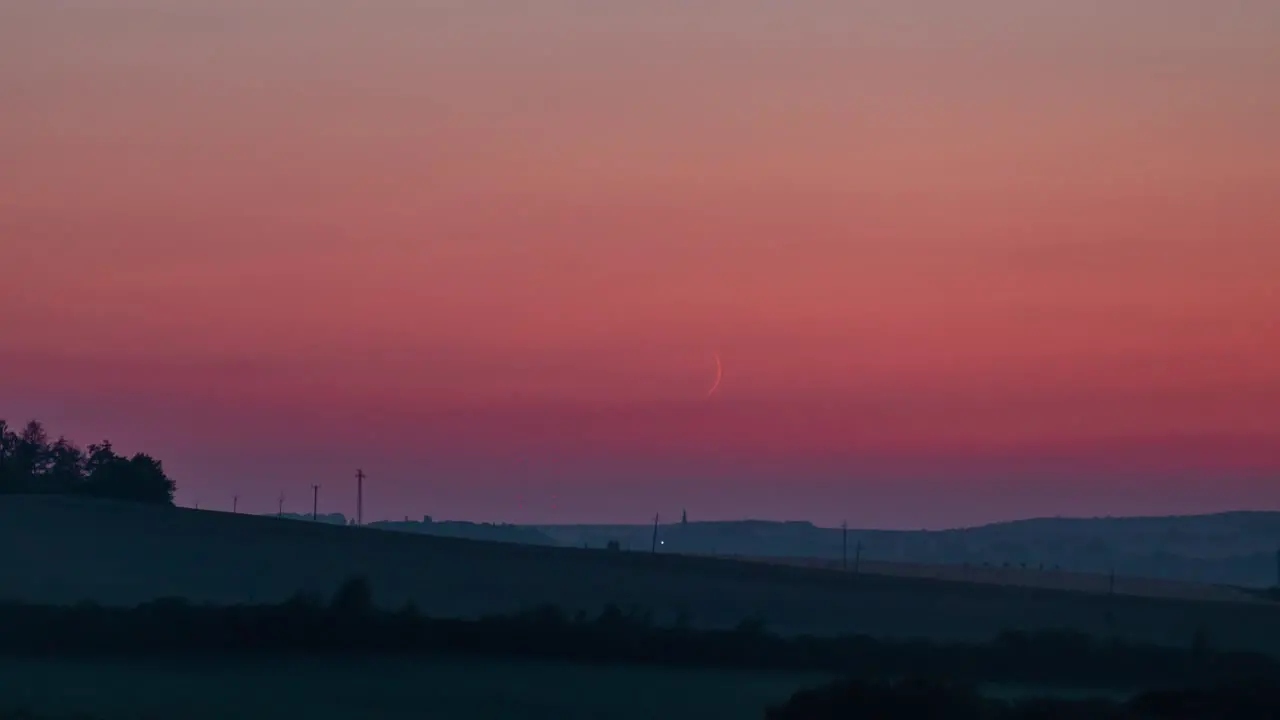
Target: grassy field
<point>75,549</point>
<point>1036,577</point>
<point>468,689</point>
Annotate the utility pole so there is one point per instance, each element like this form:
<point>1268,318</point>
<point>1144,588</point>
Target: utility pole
<point>359,497</point>
<point>280,506</point>
<point>844,545</point>
<point>315,500</point>
<point>235,504</point>
<point>653,548</point>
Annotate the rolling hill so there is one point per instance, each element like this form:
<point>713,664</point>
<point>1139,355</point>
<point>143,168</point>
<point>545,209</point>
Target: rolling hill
<point>1236,548</point>
<point>65,550</point>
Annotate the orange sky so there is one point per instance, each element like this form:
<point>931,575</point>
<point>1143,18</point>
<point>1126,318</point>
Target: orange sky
<point>1008,258</point>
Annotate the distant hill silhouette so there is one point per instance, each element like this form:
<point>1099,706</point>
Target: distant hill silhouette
<point>1187,549</point>
<point>123,553</point>
<point>1237,548</point>
<point>327,518</point>
<point>469,530</point>
<point>496,532</point>
<point>1234,548</point>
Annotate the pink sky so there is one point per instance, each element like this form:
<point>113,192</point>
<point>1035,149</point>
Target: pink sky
<point>962,261</point>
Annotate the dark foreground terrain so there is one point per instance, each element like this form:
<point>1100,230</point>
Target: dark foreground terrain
<point>346,657</point>
<point>931,699</point>
<point>117,553</point>
<point>384,689</point>
<point>475,689</point>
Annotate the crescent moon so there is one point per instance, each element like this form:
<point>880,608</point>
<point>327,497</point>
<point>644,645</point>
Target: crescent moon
<point>719,375</point>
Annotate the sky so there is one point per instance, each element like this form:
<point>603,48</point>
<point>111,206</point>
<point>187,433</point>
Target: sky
<point>960,262</point>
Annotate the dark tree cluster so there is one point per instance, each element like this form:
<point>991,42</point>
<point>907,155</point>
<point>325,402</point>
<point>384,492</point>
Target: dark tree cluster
<point>919,698</point>
<point>33,463</point>
<point>352,624</point>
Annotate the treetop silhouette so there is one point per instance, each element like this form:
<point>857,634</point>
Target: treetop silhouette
<point>31,463</point>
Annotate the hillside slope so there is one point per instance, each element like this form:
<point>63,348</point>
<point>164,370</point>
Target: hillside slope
<point>66,549</point>
<point>1236,548</point>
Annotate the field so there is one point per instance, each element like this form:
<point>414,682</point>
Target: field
<point>74,549</point>
<point>384,690</point>
<point>1035,577</point>
<point>443,689</point>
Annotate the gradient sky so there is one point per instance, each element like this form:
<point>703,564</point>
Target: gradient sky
<point>962,261</point>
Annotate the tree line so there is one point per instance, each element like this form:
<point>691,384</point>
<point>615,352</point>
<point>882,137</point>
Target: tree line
<point>351,624</point>
<point>31,462</point>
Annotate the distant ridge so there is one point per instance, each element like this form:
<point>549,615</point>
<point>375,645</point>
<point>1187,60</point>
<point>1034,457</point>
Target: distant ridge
<point>1234,548</point>
<point>1266,515</point>
<point>1227,548</point>
<point>77,549</point>
<point>450,528</point>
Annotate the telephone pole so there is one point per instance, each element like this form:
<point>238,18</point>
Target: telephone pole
<point>844,545</point>
<point>235,504</point>
<point>653,548</point>
<point>315,500</point>
<point>280,506</point>
<point>359,497</point>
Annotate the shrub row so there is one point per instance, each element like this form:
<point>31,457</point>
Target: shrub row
<point>350,623</point>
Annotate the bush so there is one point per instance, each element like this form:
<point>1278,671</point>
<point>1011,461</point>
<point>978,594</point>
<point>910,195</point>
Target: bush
<point>352,623</point>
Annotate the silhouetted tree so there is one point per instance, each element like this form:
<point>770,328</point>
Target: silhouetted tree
<point>24,455</point>
<point>30,463</point>
<point>140,478</point>
<point>31,457</point>
<point>8,447</point>
<point>354,599</point>
<point>65,471</point>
